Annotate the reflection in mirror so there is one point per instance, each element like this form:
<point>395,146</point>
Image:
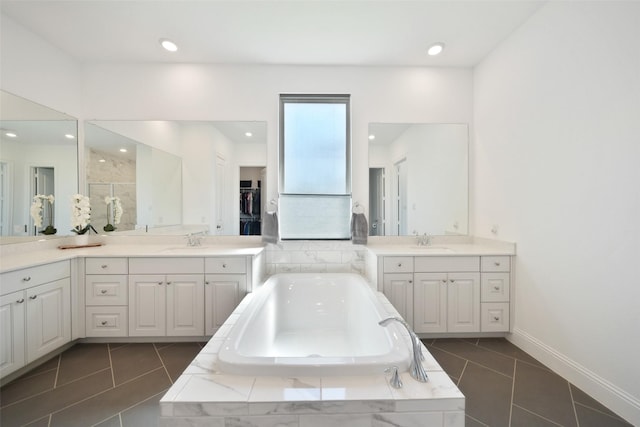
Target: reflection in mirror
<point>38,155</point>
<point>418,179</point>
<point>175,176</point>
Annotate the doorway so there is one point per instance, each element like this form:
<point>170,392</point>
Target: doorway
<point>377,202</point>
<point>43,183</point>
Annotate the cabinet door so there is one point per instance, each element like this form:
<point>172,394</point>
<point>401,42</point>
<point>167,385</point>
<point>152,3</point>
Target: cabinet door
<point>185,305</point>
<point>463,302</point>
<point>12,332</point>
<point>147,305</point>
<point>223,293</point>
<point>398,288</point>
<point>48,317</point>
<point>430,302</point>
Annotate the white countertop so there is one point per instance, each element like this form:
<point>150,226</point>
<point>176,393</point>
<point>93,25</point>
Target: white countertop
<point>441,246</point>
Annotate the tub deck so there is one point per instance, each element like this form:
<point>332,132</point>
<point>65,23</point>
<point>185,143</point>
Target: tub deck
<point>204,396</point>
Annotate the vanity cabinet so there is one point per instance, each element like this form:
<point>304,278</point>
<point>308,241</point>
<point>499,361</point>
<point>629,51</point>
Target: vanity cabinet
<point>225,286</point>
<point>35,313</point>
<point>449,294</point>
<point>169,304</point>
<point>106,297</point>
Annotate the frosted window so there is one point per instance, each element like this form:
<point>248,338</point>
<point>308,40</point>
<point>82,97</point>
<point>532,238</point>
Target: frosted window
<point>315,167</point>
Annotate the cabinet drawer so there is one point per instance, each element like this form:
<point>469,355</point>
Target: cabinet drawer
<point>495,287</point>
<point>106,289</point>
<point>106,266</point>
<point>106,321</point>
<point>428,264</point>
<point>166,265</point>
<point>398,264</point>
<point>225,265</point>
<point>496,263</point>
<point>494,317</point>
<point>17,280</point>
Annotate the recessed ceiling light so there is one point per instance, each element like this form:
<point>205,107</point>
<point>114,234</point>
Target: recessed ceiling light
<point>11,134</point>
<point>123,150</point>
<point>168,45</point>
<point>248,134</point>
<point>372,137</point>
<point>69,136</point>
<point>102,160</point>
<point>435,49</point>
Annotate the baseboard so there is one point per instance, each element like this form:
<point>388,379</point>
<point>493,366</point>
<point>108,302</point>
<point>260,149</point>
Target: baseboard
<point>611,396</point>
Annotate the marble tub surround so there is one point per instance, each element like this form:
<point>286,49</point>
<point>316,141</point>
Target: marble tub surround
<point>204,396</point>
<point>316,256</point>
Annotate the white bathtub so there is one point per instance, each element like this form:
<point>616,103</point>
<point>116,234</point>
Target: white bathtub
<point>313,325</point>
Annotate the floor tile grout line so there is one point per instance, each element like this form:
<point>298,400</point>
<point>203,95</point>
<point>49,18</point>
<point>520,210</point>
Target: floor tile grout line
<point>614,416</point>
<point>475,363</point>
<point>477,420</point>
<point>163,365</point>
<point>113,375</point>
<point>573,404</point>
<point>55,381</point>
<point>537,415</point>
<point>96,394</point>
<point>51,389</point>
<point>513,390</point>
<point>464,368</point>
<point>139,403</point>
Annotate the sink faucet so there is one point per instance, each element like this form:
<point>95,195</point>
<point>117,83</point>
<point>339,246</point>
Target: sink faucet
<point>416,370</point>
<point>194,239</point>
<point>424,240</point>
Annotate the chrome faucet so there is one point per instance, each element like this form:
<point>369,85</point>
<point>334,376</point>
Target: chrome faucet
<point>416,370</point>
<point>194,239</point>
<point>424,240</point>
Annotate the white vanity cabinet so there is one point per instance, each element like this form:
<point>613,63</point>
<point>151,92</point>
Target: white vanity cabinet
<point>166,297</point>
<point>35,313</point>
<point>495,293</point>
<point>447,294</point>
<point>106,297</point>
<point>225,286</point>
<point>397,283</point>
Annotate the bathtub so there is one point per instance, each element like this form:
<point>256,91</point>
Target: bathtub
<point>313,325</point>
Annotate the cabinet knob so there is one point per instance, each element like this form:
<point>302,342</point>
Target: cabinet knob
<point>497,263</point>
<point>104,266</point>
<point>444,280</point>
<point>103,323</point>
<point>103,291</point>
<point>399,264</point>
<point>224,265</point>
<point>496,318</point>
<point>33,297</point>
<point>206,283</point>
<point>452,281</point>
<point>497,288</point>
<point>26,279</point>
<point>20,301</point>
<point>168,283</point>
<point>159,283</point>
<point>410,281</point>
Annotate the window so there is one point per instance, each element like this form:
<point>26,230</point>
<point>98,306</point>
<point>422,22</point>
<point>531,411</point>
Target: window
<point>315,167</point>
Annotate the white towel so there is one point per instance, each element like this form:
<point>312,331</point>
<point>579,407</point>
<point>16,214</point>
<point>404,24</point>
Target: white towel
<point>270,228</point>
<point>359,229</point>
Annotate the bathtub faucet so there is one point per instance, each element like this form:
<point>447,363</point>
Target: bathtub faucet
<point>194,239</point>
<point>416,370</point>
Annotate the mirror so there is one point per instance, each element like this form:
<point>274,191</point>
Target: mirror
<point>418,179</point>
<point>177,176</point>
<point>38,155</point>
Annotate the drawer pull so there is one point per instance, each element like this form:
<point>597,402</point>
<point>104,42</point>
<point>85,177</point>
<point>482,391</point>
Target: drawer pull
<point>104,266</point>
<point>103,291</point>
<point>399,264</point>
<point>224,265</point>
<point>104,323</point>
<point>168,283</point>
<point>33,297</point>
<point>159,283</point>
<point>497,263</point>
<point>20,301</point>
<point>206,283</point>
<point>497,288</point>
<point>410,281</point>
<point>496,318</point>
<point>452,281</point>
<point>444,280</point>
<point>26,279</point>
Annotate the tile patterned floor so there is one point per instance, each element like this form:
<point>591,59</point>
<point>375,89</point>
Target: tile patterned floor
<point>120,385</point>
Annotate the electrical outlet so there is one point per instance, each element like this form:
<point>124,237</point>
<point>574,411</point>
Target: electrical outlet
<point>494,229</point>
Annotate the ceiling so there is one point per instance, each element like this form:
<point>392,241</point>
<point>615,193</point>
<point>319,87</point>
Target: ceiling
<point>296,32</point>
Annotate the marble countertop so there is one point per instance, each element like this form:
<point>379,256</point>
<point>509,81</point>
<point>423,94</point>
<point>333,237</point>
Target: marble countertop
<point>14,257</point>
<point>441,246</point>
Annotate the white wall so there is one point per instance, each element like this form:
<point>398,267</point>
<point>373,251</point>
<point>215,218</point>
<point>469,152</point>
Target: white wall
<point>557,155</point>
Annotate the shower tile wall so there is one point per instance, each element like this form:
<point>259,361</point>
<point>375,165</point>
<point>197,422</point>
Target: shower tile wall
<point>316,257</point>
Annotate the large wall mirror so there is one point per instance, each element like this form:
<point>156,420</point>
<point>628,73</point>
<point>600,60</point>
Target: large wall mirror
<point>418,179</point>
<point>173,177</point>
<point>38,155</point>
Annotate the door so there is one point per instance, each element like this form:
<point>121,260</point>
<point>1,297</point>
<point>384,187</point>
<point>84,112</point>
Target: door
<point>377,202</point>
<point>12,332</point>
<point>220,193</point>
<point>185,305</point>
<point>398,288</point>
<point>147,305</point>
<point>48,317</point>
<point>400,196</point>
<point>430,302</point>
<point>463,300</point>
<point>43,183</point>
<point>223,293</point>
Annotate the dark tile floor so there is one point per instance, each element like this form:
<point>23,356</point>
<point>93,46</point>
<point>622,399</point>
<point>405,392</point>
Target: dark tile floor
<point>114,385</point>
